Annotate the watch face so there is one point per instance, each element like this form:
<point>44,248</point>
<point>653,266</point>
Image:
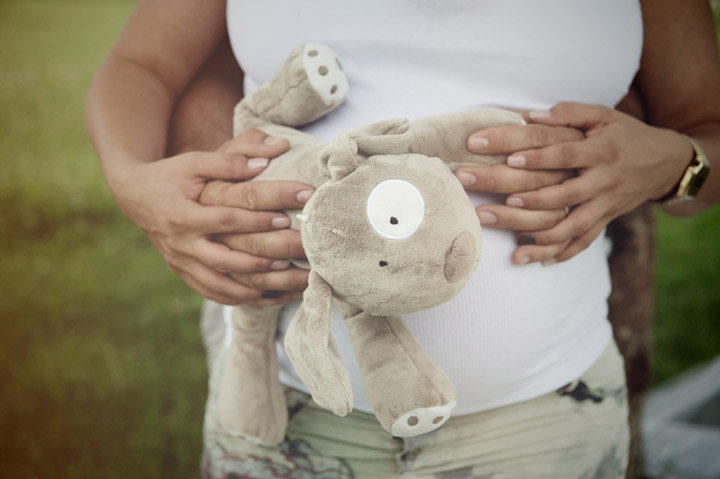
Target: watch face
<point>700,172</point>
<point>693,178</point>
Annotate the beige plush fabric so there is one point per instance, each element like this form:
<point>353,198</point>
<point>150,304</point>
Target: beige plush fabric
<point>388,231</point>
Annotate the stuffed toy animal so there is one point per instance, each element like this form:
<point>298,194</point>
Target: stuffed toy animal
<point>388,231</point>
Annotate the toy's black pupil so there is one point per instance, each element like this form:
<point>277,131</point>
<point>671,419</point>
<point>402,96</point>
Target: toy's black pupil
<point>393,220</point>
<point>383,263</point>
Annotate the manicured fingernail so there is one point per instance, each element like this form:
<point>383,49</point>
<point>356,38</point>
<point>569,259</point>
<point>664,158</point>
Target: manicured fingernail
<point>549,262</point>
<point>516,161</point>
<point>304,195</point>
<point>539,114</point>
<point>270,294</point>
<point>273,141</point>
<point>525,240</point>
<point>515,202</point>
<point>281,222</point>
<point>257,163</point>
<point>478,143</point>
<point>487,218</point>
<point>466,179</point>
<point>280,264</point>
<point>525,260</point>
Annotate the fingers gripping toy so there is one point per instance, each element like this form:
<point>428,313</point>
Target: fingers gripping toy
<point>388,231</point>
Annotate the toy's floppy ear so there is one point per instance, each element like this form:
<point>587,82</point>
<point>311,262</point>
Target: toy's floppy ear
<point>339,158</point>
<point>382,138</point>
<point>312,351</point>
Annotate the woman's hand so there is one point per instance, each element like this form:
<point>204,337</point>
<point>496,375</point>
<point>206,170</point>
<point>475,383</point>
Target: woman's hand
<point>621,163</point>
<point>503,179</point>
<point>162,197</point>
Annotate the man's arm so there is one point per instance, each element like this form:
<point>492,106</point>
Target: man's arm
<point>202,117</point>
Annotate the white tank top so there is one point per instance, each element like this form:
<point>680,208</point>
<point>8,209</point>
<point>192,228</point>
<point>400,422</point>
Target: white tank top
<point>514,332</point>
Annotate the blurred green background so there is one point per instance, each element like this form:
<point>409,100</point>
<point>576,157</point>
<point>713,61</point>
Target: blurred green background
<point>102,373</point>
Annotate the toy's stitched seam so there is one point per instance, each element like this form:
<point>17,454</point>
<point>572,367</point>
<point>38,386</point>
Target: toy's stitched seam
<point>275,105</point>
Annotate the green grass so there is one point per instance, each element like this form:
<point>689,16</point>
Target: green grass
<point>102,373</point>
<point>687,292</point>
<point>101,366</point>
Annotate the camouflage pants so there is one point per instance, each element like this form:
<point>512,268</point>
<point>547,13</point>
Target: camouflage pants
<point>580,431</point>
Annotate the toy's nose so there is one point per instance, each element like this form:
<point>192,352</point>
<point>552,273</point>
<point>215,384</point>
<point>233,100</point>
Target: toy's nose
<point>460,257</point>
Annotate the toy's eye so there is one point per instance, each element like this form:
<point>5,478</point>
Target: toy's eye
<point>395,209</point>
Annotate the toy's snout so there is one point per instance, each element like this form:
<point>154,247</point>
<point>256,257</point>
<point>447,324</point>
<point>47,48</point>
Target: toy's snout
<point>460,257</point>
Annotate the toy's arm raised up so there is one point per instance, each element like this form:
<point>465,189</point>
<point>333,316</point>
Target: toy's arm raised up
<point>446,136</point>
<point>309,85</point>
<point>443,136</point>
<point>312,351</point>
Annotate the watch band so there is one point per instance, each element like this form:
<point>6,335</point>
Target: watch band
<point>692,179</point>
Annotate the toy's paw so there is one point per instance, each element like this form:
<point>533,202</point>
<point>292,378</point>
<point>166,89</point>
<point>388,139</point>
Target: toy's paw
<point>339,404</point>
<point>325,73</point>
<point>422,420</point>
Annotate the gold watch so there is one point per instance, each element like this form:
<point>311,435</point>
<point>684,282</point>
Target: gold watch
<point>692,179</point>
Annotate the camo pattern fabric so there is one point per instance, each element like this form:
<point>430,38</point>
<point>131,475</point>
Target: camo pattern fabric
<point>578,432</point>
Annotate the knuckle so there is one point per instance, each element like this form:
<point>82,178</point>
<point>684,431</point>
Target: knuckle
<point>613,151</point>
<point>253,135</point>
<point>176,220</point>
<point>537,135</point>
<point>572,197</point>
<point>566,154</point>
<point>509,219</point>
<point>222,264</point>
<point>249,196</point>
<point>298,281</point>
<point>573,134</point>
<point>228,219</point>
<point>255,244</point>
<point>248,244</point>
<point>486,179</point>
<point>581,228</point>
<point>294,249</point>
<point>215,286</point>
<point>260,264</point>
<point>257,282</point>
<point>537,180</point>
<point>531,199</point>
<point>211,192</point>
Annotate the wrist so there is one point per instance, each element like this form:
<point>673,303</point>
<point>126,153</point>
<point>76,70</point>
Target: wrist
<point>691,178</point>
<point>124,180</point>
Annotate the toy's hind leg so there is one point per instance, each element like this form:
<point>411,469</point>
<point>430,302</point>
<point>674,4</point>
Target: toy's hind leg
<point>251,401</point>
<point>411,395</point>
<point>310,84</point>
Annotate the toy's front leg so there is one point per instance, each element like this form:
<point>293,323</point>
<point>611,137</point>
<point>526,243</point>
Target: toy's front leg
<point>446,136</point>
<point>310,84</point>
<point>410,393</point>
<point>251,401</point>
<point>312,351</point>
